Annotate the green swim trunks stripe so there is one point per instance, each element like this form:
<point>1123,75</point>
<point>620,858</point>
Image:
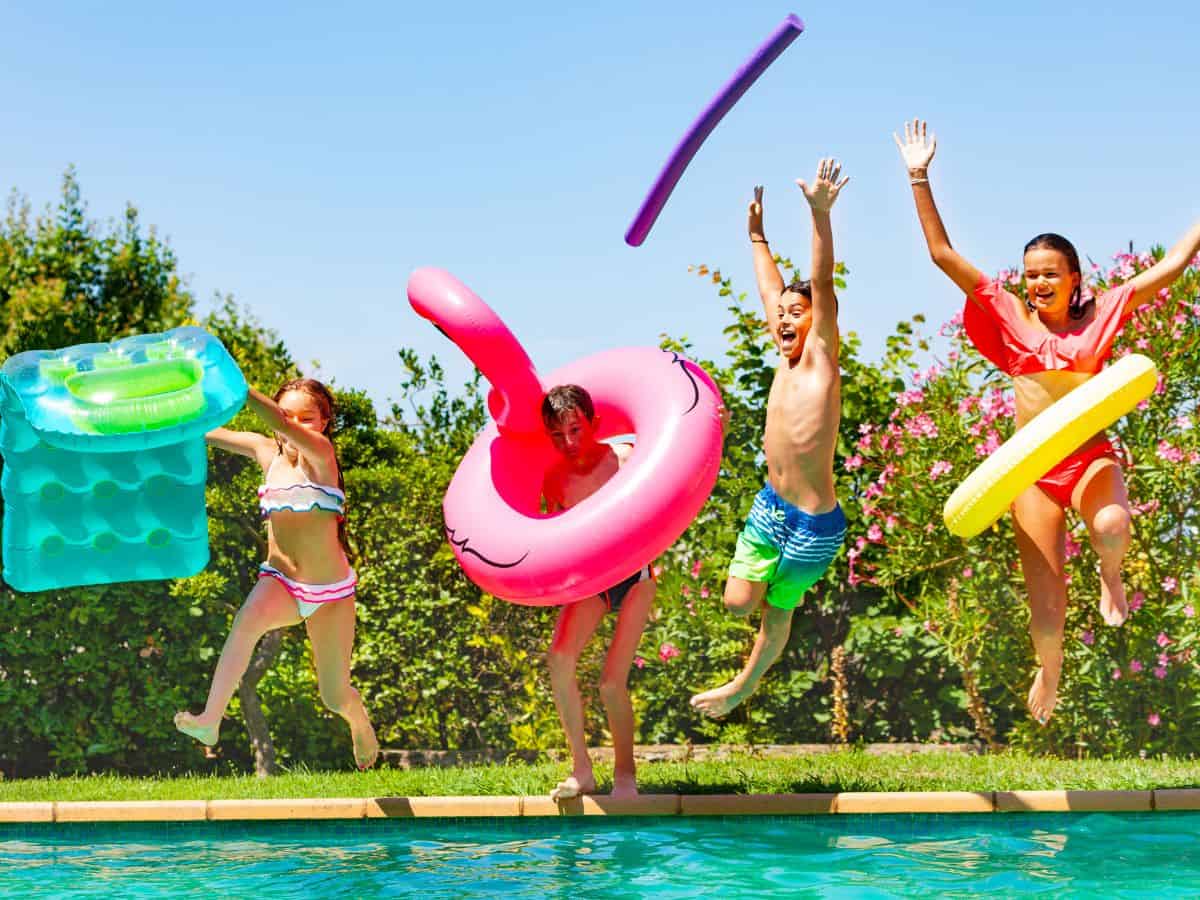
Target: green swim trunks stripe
<point>786,547</point>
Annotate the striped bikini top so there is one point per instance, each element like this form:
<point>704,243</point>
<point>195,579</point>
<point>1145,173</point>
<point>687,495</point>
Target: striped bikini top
<point>303,496</point>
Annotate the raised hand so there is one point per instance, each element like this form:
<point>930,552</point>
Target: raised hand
<point>917,148</point>
<point>826,187</point>
<point>754,222</point>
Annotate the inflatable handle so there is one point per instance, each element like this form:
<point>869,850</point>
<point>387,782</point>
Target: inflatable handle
<point>677,162</point>
<point>516,397</point>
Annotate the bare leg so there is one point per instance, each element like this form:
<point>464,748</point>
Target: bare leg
<point>1102,501</point>
<point>576,624</point>
<point>1041,539</point>
<point>614,684</point>
<point>267,607</point>
<point>772,638</point>
<point>331,630</point>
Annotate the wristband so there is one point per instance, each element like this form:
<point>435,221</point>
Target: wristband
<point>758,240</point>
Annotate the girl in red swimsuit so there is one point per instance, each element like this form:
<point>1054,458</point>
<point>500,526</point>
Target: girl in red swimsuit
<point>1050,344</point>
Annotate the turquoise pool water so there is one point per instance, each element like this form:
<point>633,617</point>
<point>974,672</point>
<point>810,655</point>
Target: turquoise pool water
<point>1151,854</point>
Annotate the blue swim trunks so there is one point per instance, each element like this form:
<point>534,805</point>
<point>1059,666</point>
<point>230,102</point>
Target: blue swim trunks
<point>786,547</point>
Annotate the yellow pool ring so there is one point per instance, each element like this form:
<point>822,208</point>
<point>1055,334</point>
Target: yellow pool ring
<point>1045,441</point>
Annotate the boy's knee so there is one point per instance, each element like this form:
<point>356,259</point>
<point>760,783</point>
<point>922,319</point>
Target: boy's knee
<point>613,690</point>
<point>560,662</point>
<point>740,602</point>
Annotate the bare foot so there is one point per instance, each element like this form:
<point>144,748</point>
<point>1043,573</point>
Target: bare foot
<point>719,701</point>
<point>366,745</point>
<point>195,727</point>
<point>1043,696</point>
<point>574,785</point>
<point>1114,609</point>
<point>624,786</point>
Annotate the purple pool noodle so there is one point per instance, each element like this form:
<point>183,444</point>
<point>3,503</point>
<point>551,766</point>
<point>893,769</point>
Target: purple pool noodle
<point>656,199</point>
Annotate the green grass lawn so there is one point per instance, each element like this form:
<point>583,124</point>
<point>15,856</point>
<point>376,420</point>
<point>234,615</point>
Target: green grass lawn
<point>843,771</point>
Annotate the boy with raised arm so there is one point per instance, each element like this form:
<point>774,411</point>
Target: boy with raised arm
<point>796,525</point>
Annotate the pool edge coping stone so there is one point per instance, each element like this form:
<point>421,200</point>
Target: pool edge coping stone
<point>541,806</point>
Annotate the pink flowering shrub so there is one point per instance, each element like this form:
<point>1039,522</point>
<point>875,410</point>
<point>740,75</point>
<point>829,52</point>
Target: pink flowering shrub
<point>1123,690</point>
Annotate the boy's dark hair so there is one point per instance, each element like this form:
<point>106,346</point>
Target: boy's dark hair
<point>803,287</point>
<point>562,399</point>
<point>1052,241</point>
<point>800,286</point>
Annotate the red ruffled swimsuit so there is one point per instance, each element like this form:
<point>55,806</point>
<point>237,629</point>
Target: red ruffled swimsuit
<point>996,327</point>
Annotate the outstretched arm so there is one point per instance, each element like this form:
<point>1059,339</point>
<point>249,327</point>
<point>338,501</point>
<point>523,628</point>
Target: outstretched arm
<point>770,282</point>
<point>244,443</point>
<point>311,443</point>
<point>917,149</point>
<point>1164,272</point>
<point>821,197</point>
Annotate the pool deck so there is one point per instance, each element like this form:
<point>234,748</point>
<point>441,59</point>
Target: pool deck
<point>645,805</point>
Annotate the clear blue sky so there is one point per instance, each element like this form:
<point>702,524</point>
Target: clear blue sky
<point>306,158</point>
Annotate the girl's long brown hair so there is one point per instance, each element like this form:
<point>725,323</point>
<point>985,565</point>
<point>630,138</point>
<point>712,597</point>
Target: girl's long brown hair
<point>327,405</point>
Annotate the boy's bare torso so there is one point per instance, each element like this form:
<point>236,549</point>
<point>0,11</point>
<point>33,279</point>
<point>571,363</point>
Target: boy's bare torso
<point>803,415</point>
<point>566,485</point>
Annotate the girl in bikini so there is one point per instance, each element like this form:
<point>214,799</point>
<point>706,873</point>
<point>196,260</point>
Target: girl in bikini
<point>1050,344</point>
<point>306,577</point>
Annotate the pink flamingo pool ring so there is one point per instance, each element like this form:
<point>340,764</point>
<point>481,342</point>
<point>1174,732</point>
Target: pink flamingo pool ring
<point>503,541</point>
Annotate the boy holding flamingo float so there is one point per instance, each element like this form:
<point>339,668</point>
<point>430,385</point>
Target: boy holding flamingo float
<point>584,464</point>
<point>796,525</point>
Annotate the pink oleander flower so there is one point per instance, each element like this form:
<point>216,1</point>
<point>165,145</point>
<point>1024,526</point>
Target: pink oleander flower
<point>691,608</point>
<point>704,592</point>
<point>1135,666</point>
<point>929,528</point>
<point>898,631</point>
<point>668,652</point>
<point>927,625</point>
<point>968,572</point>
<point>1143,406</point>
<point>966,404</point>
<point>1136,601</point>
<point>1169,453</point>
<point>952,356</point>
<point>875,534</point>
<point>1142,344</point>
<point>990,445</point>
<point>1170,585</point>
<point>890,522</point>
<point>873,490</point>
<point>657,570</point>
<point>922,426</point>
<point>1161,387</point>
<point>1160,672</point>
<point>860,542</point>
<point>1193,457</point>
<point>864,443</point>
<point>696,566</point>
<point>940,468</point>
<point>1154,720</point>
<point>1072,547</point>
<point>686,591</point>
<point>1116,675</point>
<point>853,462</point>
<point>639,662</point>
<point>908,398</point>
<point>865,428</point>
<point>1088,637</point>
<point>1162,640</point>
<point>1164,659</point>
<point>1188,611</point>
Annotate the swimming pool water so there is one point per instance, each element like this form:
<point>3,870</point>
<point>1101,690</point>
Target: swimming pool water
<point>1113,855</point>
